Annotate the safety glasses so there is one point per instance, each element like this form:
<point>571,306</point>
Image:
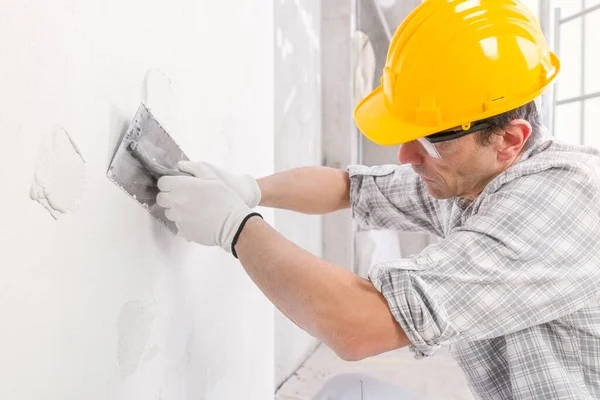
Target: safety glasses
<point>444,144</point>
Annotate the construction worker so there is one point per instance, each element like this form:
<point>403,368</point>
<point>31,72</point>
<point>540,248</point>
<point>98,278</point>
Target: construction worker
<point>513,284</point>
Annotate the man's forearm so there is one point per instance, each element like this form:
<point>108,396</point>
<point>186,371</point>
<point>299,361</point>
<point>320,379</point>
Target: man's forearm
<point>336,306</point>
<point>309,190</point>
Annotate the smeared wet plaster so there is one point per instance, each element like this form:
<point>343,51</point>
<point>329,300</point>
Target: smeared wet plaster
<point>158,95</point>
<point>284,45</point>
<point>134,327</point>
<point>60,174</point>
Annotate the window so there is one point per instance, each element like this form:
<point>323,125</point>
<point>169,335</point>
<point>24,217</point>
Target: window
<point>576,100</point>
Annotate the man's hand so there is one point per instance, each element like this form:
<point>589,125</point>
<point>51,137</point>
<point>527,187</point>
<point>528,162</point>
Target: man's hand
<point>245,186</point>
<point>205,210</point>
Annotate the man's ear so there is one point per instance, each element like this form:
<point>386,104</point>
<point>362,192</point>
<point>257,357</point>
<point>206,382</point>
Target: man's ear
<point>513,139</point>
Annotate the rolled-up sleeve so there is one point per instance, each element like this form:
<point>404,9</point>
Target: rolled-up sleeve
<point>393,197</point>
<point>530,255</point>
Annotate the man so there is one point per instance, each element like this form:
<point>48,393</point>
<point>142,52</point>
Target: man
<point>513,283</point>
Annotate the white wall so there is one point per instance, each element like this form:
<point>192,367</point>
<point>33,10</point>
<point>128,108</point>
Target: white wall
<point>297,143</point>
<point>104,303</point>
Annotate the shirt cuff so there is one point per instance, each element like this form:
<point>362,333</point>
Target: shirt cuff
<point>359,197</point>
<point>413,304</point>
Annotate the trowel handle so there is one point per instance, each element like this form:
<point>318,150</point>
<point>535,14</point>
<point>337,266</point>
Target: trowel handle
<point>150,164</point>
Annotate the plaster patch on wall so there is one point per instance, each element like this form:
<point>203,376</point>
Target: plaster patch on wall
<point>134,327</point>
<point>60,174</point>
<point>157,94</point>
<point>284,45</point>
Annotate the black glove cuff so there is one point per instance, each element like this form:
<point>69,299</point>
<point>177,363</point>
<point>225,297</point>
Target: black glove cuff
<point>237,234</point>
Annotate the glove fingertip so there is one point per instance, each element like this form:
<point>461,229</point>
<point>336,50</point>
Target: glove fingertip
<point>164,183</point>
<point>162,199</point>
<point>186,166</point>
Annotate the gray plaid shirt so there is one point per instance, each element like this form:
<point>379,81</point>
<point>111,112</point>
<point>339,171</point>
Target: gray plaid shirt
<point>514,282</point>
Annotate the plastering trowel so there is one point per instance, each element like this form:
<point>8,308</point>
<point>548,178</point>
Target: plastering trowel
<point>146,153</point>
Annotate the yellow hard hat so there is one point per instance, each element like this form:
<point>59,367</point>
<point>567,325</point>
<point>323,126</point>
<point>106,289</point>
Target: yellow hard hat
<point>455,62</point>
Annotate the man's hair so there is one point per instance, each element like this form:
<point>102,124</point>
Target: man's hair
<point>500,122</point>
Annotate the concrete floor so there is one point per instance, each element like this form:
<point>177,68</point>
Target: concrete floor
<point>435,378</point>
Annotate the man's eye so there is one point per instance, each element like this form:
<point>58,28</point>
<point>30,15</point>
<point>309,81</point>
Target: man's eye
<point>443,145</point>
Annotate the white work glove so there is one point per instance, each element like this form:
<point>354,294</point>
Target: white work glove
<point>204,209</point>
<point>244,186</point>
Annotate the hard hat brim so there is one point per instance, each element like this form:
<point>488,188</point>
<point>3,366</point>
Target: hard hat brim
<point>380,126</point>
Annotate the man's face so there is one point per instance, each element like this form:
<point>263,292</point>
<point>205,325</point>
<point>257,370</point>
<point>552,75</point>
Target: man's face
<point>466,171</point>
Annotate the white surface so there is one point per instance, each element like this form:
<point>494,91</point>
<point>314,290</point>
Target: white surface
<point>386,3</point>
<point>364,66</point>
<point>297,143</point>
<point>158,96</point>
<point>59,176</point>
<point>361,387</point>
<point>105,303</point>
<point>435,378</point>
<point>375,246</point>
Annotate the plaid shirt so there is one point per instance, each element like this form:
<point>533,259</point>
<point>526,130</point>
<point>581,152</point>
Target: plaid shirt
<point>514,283</point>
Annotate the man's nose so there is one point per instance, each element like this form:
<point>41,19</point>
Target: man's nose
<point>410,153</point>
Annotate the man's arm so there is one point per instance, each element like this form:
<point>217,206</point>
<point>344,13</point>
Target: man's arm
<point>336,306</point>
<point>309,190</point>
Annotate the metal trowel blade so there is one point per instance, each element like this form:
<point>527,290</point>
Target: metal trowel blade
<point>137,175</point>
